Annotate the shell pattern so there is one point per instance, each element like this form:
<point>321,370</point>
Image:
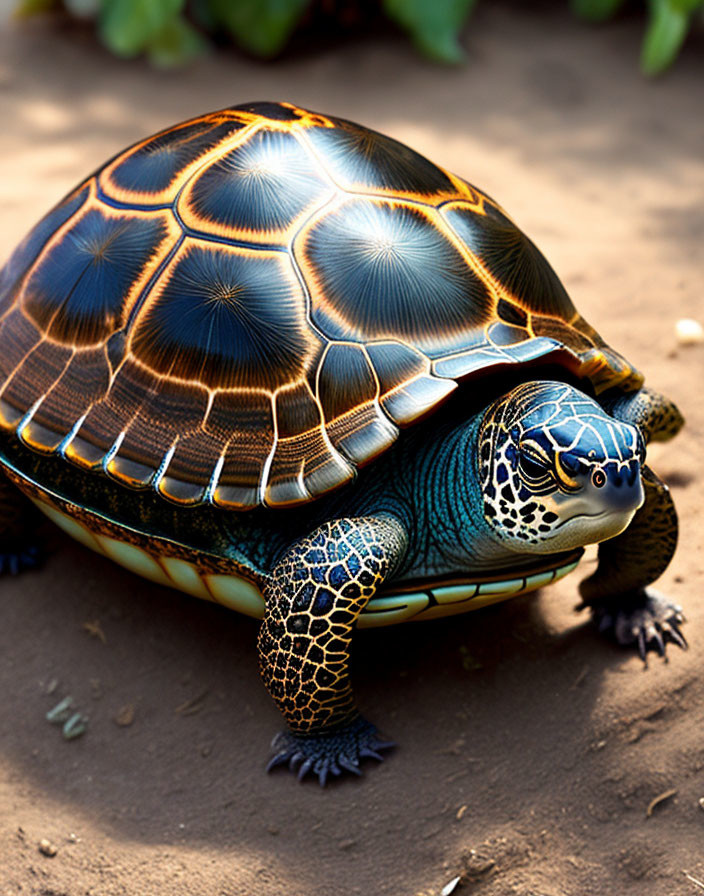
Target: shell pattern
<point>246,306</point>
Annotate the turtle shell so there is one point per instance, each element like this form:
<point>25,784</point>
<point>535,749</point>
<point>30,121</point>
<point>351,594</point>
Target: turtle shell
<point>246,306</point>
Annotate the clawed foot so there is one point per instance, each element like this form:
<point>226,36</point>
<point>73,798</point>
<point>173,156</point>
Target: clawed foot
<point>648,620</point>
<point>328,754</point>
<point>13,562</point>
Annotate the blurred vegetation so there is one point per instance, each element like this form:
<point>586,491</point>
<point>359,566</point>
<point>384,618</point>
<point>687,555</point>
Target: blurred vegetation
<point>171,32</point>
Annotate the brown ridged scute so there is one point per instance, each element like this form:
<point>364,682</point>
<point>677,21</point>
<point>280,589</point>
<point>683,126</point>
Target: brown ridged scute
<point>245,307</point>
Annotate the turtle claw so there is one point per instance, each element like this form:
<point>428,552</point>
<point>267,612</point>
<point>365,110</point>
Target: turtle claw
<point>328,754</point>
<point>646,619</point>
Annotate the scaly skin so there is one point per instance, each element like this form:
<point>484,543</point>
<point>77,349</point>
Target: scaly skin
<point>316,593</point>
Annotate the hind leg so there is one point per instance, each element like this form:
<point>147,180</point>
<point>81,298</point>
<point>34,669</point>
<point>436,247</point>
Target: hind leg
<point>19,549</point>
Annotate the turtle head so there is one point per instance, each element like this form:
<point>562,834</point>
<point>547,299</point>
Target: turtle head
<point>557,472</point>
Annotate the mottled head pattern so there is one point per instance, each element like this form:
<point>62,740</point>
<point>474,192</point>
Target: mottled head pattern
<point>556,470</point>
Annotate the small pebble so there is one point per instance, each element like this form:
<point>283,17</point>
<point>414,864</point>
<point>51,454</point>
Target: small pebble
<point>125,716</point>
<point>47,848</point>
<point>701,804</point>
<point>460,812</point>
<point>689,331</point>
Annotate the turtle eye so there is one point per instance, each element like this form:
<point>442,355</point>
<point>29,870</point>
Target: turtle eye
<point>532,467</point>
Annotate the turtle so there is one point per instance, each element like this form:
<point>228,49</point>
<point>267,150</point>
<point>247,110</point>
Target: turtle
<point>280,361</point>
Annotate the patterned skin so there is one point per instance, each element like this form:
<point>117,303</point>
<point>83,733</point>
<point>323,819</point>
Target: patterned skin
<point>232,317</point>
<point>575,476</point>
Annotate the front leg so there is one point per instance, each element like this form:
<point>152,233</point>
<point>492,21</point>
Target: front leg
<point>617,592</point>
<point>314,597</point>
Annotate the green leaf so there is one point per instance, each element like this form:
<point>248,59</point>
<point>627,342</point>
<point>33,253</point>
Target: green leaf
<point>127,26</point>
<point>27,8</point>
<point>665,34</point>
<point>178,42</point>
<point>434,25</point>
<point>687,6</point>
<point>596,10</point>
<point>260,26</point>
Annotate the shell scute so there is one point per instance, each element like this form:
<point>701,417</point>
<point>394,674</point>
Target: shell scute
<point>31,247</point>
<point>153,171</point>
<point>18,337</point>
<point>158,421</point>
<point>345,379</point>
<point>364,161</point>
<point>226,317</point>
<point>271,111</point>
<point>85,380</point>
<point>43,365</point>
<point>257,191</point>
<point>517,267</point>
<point>304,462</point>
<point>90,278</point>
<point>247,446</point>
<point>386,270</point>
<point>245,306</point>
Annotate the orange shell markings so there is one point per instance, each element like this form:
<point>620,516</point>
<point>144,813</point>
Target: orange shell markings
<point>247,306</point>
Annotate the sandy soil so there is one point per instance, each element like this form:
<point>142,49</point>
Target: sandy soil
<point>530,750</point>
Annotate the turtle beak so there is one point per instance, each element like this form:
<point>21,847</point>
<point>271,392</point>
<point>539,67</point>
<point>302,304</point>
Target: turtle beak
<point>624,488</point>
<point>615,486</point>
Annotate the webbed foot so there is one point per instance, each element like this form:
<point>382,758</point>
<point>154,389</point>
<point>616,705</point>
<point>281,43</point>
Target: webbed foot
<point>647,619</point>
<point>15,560</point>
<point>328,754</point>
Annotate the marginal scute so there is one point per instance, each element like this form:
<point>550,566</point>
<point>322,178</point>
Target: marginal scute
<point>345,380</point>
<point>303,465</point>
<point>416,398</point>
<point>395,363</point>
<point>465,364</point>
<point>362,433</point>
<point>18,336</point>
<point>42,367</point>
<point>349,390</point>
<point>160,419</point>
<point>506,334</point>
<point>245,422</point>
<point>85,381</point>
<point>408,387</point>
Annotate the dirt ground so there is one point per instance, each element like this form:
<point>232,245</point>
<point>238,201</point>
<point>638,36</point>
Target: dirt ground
<point>530,750</point>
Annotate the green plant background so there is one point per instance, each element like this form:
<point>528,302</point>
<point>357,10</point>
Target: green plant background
<point>171,32</point>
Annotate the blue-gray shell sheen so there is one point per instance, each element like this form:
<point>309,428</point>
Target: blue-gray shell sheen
<point>248,306</point>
